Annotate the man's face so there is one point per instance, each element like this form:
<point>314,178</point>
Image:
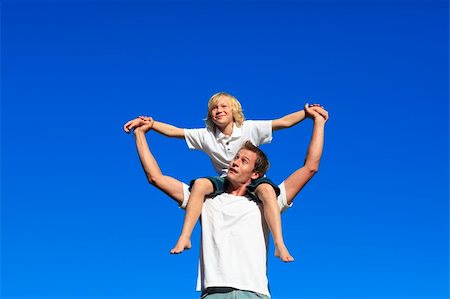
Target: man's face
<point>241,167</point>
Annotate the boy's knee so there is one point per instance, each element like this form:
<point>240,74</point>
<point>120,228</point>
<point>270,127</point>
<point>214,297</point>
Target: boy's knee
<point>265,189</point>
<point>202,184</point>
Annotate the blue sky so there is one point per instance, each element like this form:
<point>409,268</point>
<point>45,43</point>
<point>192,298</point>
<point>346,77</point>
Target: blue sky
<point>78,219</point>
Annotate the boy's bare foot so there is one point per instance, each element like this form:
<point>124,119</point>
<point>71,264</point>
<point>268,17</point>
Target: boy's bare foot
<point>182,244</point>
<point>283,253</point>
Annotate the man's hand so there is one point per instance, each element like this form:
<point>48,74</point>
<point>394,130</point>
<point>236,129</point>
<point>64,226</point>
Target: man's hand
<point>137,122</point>
<point>316,110</point>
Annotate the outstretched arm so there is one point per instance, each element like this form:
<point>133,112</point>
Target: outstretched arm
<point>168,130</point>
<point>297,180</point>
<point>292,119</point>
<point>160,127</point>
<point>169,185</point>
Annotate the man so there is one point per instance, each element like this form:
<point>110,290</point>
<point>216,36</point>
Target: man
<point>233,254</point>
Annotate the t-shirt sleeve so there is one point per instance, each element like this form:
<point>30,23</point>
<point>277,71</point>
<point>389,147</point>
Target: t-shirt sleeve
<point>261,131</point>
<point>195,138</point>
<point>186,194</point>
<point>282,199</point>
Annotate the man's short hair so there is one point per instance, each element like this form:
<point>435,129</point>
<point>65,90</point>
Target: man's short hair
<point>261,163</point>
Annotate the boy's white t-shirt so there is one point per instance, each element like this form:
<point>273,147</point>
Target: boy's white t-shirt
<point>220,148</point>
<point>233,252</point>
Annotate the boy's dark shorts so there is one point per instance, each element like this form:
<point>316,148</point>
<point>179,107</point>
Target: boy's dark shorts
<point>220,184</point>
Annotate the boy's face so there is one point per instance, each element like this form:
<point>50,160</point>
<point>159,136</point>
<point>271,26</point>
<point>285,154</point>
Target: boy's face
<point>222,113</point>
<point>241,167</point>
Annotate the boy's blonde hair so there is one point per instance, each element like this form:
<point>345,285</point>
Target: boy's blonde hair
<point>238,115</point>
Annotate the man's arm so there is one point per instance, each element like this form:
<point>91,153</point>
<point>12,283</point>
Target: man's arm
<point>292,119</point>
<point>160,127</point>
<point>297,180</point>
<point>169,185</point>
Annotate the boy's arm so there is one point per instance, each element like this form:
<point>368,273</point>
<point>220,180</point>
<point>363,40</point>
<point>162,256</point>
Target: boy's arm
<point>160,127</point>
<point>297,180</point>
<point>288,121</point>
<point>168,130</point>
<point>292,119</point>
<point>169,185</point>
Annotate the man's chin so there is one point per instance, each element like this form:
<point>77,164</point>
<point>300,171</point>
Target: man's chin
<point>232,176</point>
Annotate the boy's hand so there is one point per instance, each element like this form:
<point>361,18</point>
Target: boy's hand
<point>146,126</point>
<point>137,122</point>
<point>307,111</point>
<point>315,110</point>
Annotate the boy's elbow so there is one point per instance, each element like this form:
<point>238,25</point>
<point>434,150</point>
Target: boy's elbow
<point>286,123</point>
<point>281,124</point>
<point>176,133</point>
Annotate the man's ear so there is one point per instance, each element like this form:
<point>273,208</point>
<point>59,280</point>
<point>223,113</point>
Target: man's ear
<point>255,175</point>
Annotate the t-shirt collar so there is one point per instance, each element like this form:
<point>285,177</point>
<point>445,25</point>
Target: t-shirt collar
<point>249,194</point>
<point>237,133</point>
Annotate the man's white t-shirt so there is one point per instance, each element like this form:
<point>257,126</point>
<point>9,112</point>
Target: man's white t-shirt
<point>233,252</point>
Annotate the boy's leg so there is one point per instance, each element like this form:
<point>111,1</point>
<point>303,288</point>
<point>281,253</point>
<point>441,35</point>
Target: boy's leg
<point>201,188</point>
<point>267,195</point>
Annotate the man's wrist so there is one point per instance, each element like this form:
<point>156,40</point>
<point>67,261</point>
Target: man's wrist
<point>138,131</point>
<point>320,120</point>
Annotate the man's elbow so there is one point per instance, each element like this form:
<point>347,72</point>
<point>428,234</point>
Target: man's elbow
<point>312,168</point>
<point>153,179</point>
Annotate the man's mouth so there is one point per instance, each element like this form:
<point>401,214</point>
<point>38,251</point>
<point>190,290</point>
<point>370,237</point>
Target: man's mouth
<point>232,170</point>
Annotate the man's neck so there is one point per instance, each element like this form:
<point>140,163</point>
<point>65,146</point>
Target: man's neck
<point>237,189</point>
